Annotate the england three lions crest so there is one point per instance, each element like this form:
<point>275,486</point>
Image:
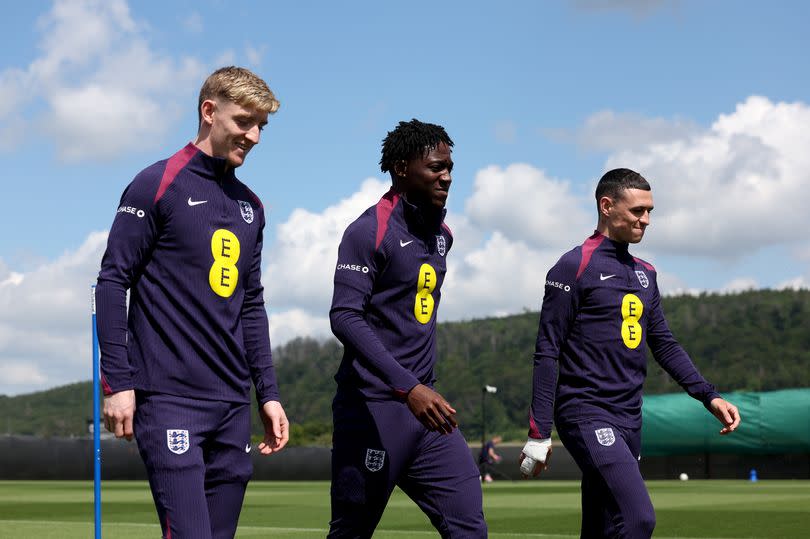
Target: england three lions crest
<point>247,211</point>
<point>375,458</point>
<point>177,440</point>
<point>605,436</point>
<point>441,245</point>
<point>642,278</point>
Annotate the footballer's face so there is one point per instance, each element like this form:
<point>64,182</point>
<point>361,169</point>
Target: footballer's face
<point>234,130</point>
<point>425,180</point>
<point>627,216</point>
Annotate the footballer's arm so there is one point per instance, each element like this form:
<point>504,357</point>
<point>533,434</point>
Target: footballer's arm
<point>260,359</point>
<point>556,316</point>
<point>132,235</point>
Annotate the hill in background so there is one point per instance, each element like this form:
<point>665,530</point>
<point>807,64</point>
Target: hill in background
<point>752,341</point>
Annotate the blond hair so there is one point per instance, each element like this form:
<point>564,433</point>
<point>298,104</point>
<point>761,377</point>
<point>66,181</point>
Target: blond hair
<point>240,86</point>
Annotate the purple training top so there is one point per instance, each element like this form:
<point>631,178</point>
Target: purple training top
<point>388,278</point>
<point>186,242</point>
<point>600,307</point>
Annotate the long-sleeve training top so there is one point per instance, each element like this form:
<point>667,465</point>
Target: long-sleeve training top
<point>601,309</point>
<point>388,278</point>
<point>186,242</point>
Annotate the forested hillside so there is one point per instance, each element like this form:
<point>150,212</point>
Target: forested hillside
<point>755,341</point>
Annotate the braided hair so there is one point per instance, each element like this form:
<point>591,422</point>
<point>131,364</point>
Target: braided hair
<point>410,140</point>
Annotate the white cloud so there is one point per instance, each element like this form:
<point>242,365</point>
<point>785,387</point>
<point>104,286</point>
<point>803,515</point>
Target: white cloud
<point>608,130</point>
<point>74,34</point>
<point>21,374</point>
<point>13,279</point>
<point>9,277</point>
<point>14,90</point>
<point>299,266</point>
<point>730,189</point>
<point>293,323</point>
<point>525,204</point>
<point>77,111</point>
<point>670,284</point>
<point>500,277</point>
<point>467,235</point>
<point>740,284</point>
<point>797,283</point>
<point>56,294</point>
<point>45,320</point>
<point>105,91</point>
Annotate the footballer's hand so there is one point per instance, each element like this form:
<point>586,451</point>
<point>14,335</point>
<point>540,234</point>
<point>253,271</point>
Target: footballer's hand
<point>276,428</point>
<point>535,457</point>
<point>431,409</point>
<point>119,411</point>
<point>726,413</point>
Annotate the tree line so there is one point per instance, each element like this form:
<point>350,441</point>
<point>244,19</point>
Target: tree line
<point>750,341</point>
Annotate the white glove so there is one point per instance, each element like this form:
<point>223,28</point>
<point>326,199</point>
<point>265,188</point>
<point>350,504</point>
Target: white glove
<point>534,452</point>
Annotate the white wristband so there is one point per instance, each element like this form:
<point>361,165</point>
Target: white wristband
<point>533,452</point>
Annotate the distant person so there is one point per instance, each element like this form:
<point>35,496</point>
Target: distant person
<point>488,458</point>
<point>390,426</point>
<point>187,242</point>
<point>600,308</point>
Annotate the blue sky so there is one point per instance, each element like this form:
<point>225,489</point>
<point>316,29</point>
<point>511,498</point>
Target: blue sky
<point>709,100</point>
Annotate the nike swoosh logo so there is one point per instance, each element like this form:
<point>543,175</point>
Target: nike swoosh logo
<point>605,277</point>
<point>247,448</point>
<point>195,202</point>
<point>404,243</point>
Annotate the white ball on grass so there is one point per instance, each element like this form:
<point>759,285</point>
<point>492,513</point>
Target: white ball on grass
<point>683,477</point>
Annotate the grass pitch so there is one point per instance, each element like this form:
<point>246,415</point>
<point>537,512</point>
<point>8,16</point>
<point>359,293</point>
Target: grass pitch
<point>547,509</point>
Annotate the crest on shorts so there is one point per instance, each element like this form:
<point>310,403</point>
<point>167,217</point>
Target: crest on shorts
<point>642,278</point>
<point>605,436</point>
<point>247,211</point>
<point>441,244</point>
<point>177,440</point>
<point>375,458</point>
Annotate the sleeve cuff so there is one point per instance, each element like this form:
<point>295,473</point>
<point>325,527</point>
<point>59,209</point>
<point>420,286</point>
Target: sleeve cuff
<point>116,386</point>
<point>709,398</point>
<point>405,386</point>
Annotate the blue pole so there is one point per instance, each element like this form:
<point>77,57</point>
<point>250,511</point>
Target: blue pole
<point>96,421</point>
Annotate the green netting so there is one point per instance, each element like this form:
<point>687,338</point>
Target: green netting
<point>772,422</point>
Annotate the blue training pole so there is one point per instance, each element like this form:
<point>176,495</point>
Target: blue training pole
<point>96,421</point>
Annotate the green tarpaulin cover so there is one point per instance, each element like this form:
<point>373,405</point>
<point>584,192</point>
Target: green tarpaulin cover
<point>772,422</point>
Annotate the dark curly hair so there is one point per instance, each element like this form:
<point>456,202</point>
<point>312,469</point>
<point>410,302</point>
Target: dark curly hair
<point>410,140</point>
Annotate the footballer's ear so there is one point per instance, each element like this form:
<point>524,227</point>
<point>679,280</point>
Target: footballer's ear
<point>207,109</point>
<point>605,205</point>
<point>400,169</point>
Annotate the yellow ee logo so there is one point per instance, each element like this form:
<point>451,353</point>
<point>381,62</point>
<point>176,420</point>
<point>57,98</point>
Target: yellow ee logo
<point>425,285</point>
<point>631,313</point>
<point>224,275</point>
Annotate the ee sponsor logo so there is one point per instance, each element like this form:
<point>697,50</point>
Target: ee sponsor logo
<point>425,285</point>
<point>224,275</point>
<point>632,308</point>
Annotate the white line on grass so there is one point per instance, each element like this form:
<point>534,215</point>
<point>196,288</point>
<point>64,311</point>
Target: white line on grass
<point>309,530</point>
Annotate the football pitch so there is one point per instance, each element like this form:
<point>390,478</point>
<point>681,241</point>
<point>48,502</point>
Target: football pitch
<point>548,509</point>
